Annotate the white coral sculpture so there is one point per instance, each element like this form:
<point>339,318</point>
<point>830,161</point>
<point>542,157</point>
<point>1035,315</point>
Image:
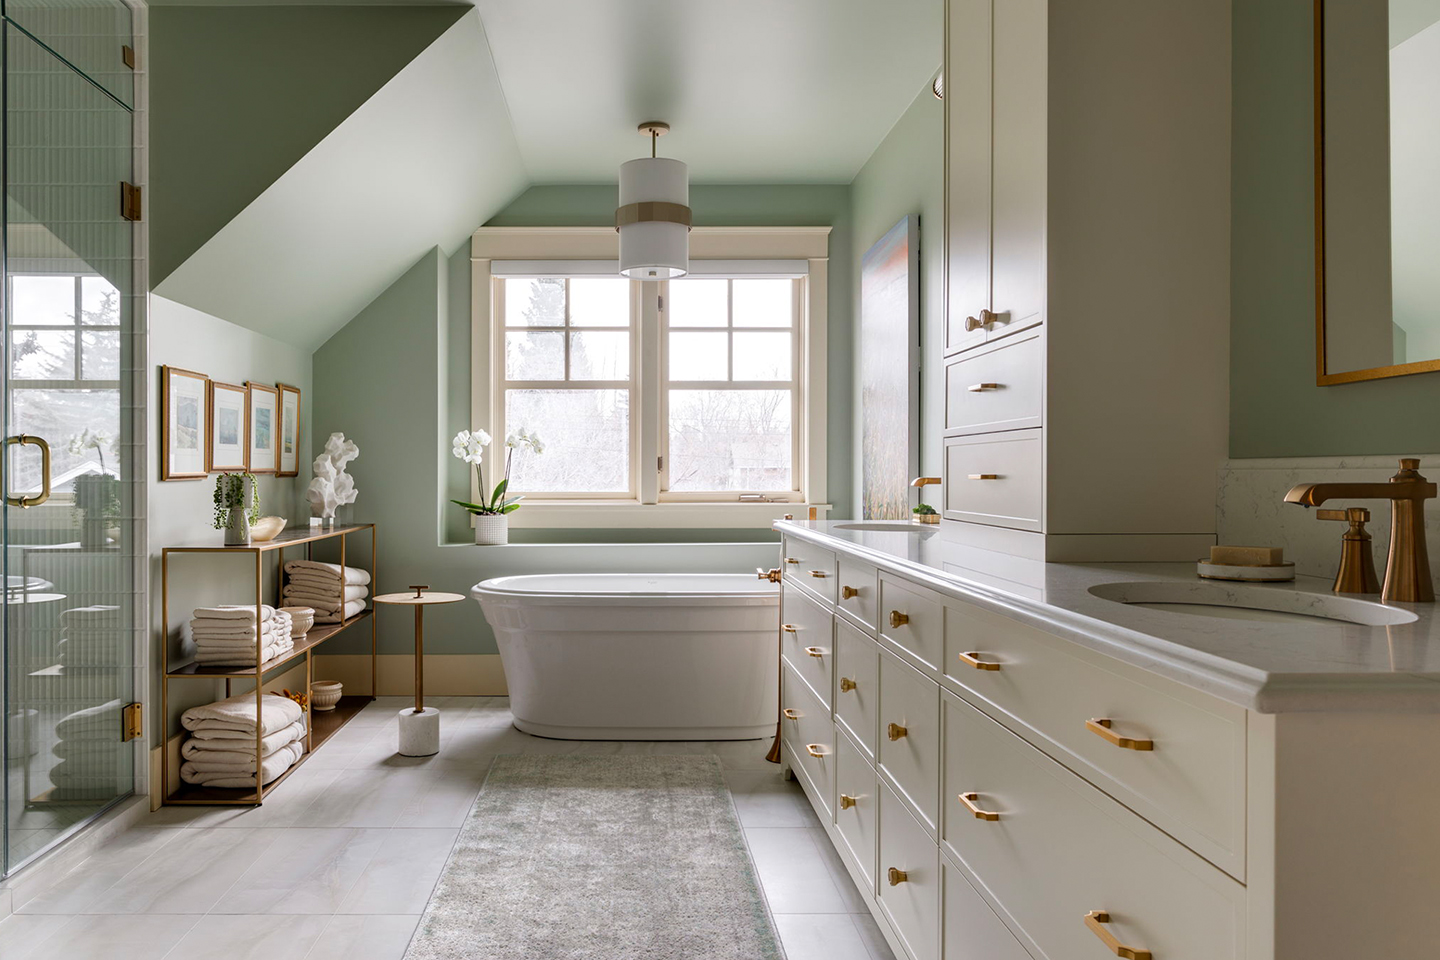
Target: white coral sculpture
<point>332,486</point>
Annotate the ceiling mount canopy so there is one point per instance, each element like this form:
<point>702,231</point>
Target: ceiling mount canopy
<point>653,218</point>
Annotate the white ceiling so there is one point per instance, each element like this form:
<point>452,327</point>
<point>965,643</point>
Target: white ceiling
<point>754,90</point>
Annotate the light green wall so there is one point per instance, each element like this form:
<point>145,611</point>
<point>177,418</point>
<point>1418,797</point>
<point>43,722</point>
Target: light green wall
<point>239,94</point>
<point>1276,410</point>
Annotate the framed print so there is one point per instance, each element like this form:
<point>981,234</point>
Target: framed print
<point>261,426</point>
<point>289,455</point>
<point>226,448</point>
<point>183,404</point>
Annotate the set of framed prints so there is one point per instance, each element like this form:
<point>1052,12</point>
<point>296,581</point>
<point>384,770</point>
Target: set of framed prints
<point>211,427</point>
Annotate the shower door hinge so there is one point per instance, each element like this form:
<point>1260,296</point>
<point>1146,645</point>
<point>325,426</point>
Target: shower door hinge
<point>132,721</point>
<point>130,201</point>
<point>660,463</point>
<point>127,54</point>
<point>660,304</point>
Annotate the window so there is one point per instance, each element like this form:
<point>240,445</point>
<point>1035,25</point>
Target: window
<point>65,374</point>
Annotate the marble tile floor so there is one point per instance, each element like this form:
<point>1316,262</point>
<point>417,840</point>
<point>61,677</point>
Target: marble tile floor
<point>341,860</point>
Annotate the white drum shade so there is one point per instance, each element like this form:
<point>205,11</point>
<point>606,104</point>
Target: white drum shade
<point>654,249</point>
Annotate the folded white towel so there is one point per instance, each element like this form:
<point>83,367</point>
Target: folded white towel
<point>234,611</point>
<point>99,613</point>
<point>331,570</point>
<point>87,749</point>
<point>352,609</point>
<point>199,634</point>
<point>331,591</point>
<point>93,723</point>
<point>206,750</point>
<point>231,739</point>
<point>321,605</point>
<point>272,766</point>
<point>238,713</point>
<point>243,658</point>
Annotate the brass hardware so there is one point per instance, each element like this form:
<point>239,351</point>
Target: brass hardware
<point>984,476</point>
<point>849,593</point>
<point>895,731</point>
<point>791,559</point>
<point>1100,726</point>
<point>127,56</point>
<point>790,714</point>
<point>973,659</point>
<point>846,684</point>
<point>1357,563</point>
<point>652,211</point>
<point>846,801</point>
<point>898,619</point>
<point>986,319</point>
<point>819,574</point>
<point>1407,569</point>
<point>419,589</point>
<point>773,574</point>
<point>982,387</point>
<point>897,877</point>
<point>788,627</point>
<point>44,494</point>
<point>132,721</point>
<point>789,516</point>
<point>815,750</point>
<point>924,481</point>
<point>815,652</point>
<point>1096,920</point>
<point>131,201</point>
<point>969,800</point>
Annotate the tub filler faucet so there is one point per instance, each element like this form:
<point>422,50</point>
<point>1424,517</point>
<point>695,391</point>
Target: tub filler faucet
<point>1407,571</point>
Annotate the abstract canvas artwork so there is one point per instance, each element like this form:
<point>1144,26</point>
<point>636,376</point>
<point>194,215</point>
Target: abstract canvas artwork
<point>889,371</point>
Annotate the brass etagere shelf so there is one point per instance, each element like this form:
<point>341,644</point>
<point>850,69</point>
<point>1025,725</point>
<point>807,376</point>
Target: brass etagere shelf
<point>319,726</point>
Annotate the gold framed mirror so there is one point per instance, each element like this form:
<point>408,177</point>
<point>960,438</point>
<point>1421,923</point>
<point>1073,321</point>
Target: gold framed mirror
<point>1377,189</point>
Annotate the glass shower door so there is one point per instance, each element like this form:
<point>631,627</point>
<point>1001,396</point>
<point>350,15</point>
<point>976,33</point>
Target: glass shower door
<point>70,539</point>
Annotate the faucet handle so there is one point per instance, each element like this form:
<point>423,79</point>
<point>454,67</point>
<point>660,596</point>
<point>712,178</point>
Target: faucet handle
<point>1354,515</point>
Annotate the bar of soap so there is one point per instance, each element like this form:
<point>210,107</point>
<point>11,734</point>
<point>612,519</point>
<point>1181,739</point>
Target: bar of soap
<point>1248,556</point>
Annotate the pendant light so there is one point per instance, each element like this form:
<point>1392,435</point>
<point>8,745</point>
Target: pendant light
<point>653,218</point>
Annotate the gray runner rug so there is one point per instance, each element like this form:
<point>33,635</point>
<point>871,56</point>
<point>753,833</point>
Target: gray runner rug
<point>630,858</point>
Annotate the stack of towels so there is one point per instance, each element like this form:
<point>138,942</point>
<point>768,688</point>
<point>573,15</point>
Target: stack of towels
<point>91,637</point>
<point>318,585</point>
<point>93,764</point>
<point>221,749</point>
<point>228,636</point>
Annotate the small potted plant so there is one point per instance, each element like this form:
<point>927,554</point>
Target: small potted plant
<point>232,490</point>
<point>97,495</point>
<point>492,526</point>
<point>925,513</point>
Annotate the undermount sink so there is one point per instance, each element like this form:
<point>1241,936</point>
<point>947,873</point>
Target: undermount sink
<point>1257,603</point>
<point>889,526</point>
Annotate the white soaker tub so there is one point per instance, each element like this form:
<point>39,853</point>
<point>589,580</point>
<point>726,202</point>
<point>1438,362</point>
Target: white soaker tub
<point>629,656</point>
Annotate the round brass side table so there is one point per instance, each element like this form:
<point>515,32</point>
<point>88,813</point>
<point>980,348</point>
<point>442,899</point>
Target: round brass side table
<point>419,726</point>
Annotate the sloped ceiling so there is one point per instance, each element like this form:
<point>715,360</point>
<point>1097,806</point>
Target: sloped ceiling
<point>421,163</point>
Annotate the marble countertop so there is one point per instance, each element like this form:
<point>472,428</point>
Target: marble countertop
<point>1382,657</point>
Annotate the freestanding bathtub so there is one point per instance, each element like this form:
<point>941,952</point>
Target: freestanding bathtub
<point>621,656</point>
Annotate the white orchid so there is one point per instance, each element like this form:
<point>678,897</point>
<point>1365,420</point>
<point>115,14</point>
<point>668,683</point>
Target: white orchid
<point>469,445</point>
<point>522,438</point>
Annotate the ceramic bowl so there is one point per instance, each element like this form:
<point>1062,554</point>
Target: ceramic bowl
<point>266,528</point>
<point>301,620</point>
<point>324,694</point>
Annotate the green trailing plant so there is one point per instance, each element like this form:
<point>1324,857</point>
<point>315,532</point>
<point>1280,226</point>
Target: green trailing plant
<point>925,509</point>
<point>230,494</point>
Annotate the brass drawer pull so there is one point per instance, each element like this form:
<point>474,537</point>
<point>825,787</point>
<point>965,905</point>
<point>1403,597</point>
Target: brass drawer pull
<point>898,619</point>
<point>846,684</point>
<point>815,750</point>
<point>1096,920</point>
<point>982,387</point>
<point>789,628</point>
<point>819,574</point>
<point>973,659</point>
<point>895,731</point>
<point>984,476</point>
<point>790,714</point>
<point>969,800</point>
<point>898,877</point>
<point>816,652</point>
<point>1100,726</point>
<point>846,801</point>
<point>791,560</point>
<point>849,593</point>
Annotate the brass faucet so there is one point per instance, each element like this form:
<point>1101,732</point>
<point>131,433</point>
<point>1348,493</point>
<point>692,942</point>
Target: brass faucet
<point>924,481</point>
<point>1357,564</point>
<point>1407,571</point>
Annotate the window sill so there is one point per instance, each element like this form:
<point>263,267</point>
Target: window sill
<point>612,514</point>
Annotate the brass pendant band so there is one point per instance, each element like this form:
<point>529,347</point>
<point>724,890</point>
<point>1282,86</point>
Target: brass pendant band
<point>652,210</point>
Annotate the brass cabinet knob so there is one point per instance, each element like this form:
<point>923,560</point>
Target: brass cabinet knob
<point>849,593</point>
<point>969,799</point>
<point>815,750</point>
<point>846,801</point>
<point>898,619</point>
<point>897,876</point>
<point>973,659</point>
<point>1096,920</point>
<point>790,714</point>
<point>846,684</point>
<point>895,731</point>
<point>818,574</point>
<point>816,652</point>
<point>972,324</point>
<point>1100,726</point>
<point>789,628</point>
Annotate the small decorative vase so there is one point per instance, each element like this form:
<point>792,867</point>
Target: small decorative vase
<point>492,529</point>
<point>237,529</point>
<point>324,694</point>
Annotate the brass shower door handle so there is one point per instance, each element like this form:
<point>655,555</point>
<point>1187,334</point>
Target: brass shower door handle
<point>22,440</point>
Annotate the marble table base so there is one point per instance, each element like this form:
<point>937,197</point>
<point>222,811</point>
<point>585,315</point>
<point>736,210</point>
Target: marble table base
<point>419,732</point>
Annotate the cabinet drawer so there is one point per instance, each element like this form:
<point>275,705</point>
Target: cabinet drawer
<point>809,735</point>
<point>910,735</point>
<point>995,479</point>
<point>857,690</point>
<point>1059,849</point>
<point>859,592</point>
<point>857,807</point>
<point>1191,784</point>
<point>997,388</point>
<point>809,566</point>
<point>913,622</point>
<point>972,931</point>
<point>909,878</point>
<point>807,640</point>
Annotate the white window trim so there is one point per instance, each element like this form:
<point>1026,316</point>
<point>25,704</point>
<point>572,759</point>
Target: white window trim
<point>729,244</point>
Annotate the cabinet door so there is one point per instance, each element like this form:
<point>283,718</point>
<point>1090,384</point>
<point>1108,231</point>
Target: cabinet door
<point>1018,182</point>
<point>967,170</point>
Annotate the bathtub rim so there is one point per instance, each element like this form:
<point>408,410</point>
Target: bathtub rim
<point>493,590</point>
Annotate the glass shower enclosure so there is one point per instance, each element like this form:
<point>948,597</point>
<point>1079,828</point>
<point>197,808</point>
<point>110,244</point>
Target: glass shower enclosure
<point>73,435</point>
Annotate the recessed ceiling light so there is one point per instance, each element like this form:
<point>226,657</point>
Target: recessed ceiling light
<point>937,86</point>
